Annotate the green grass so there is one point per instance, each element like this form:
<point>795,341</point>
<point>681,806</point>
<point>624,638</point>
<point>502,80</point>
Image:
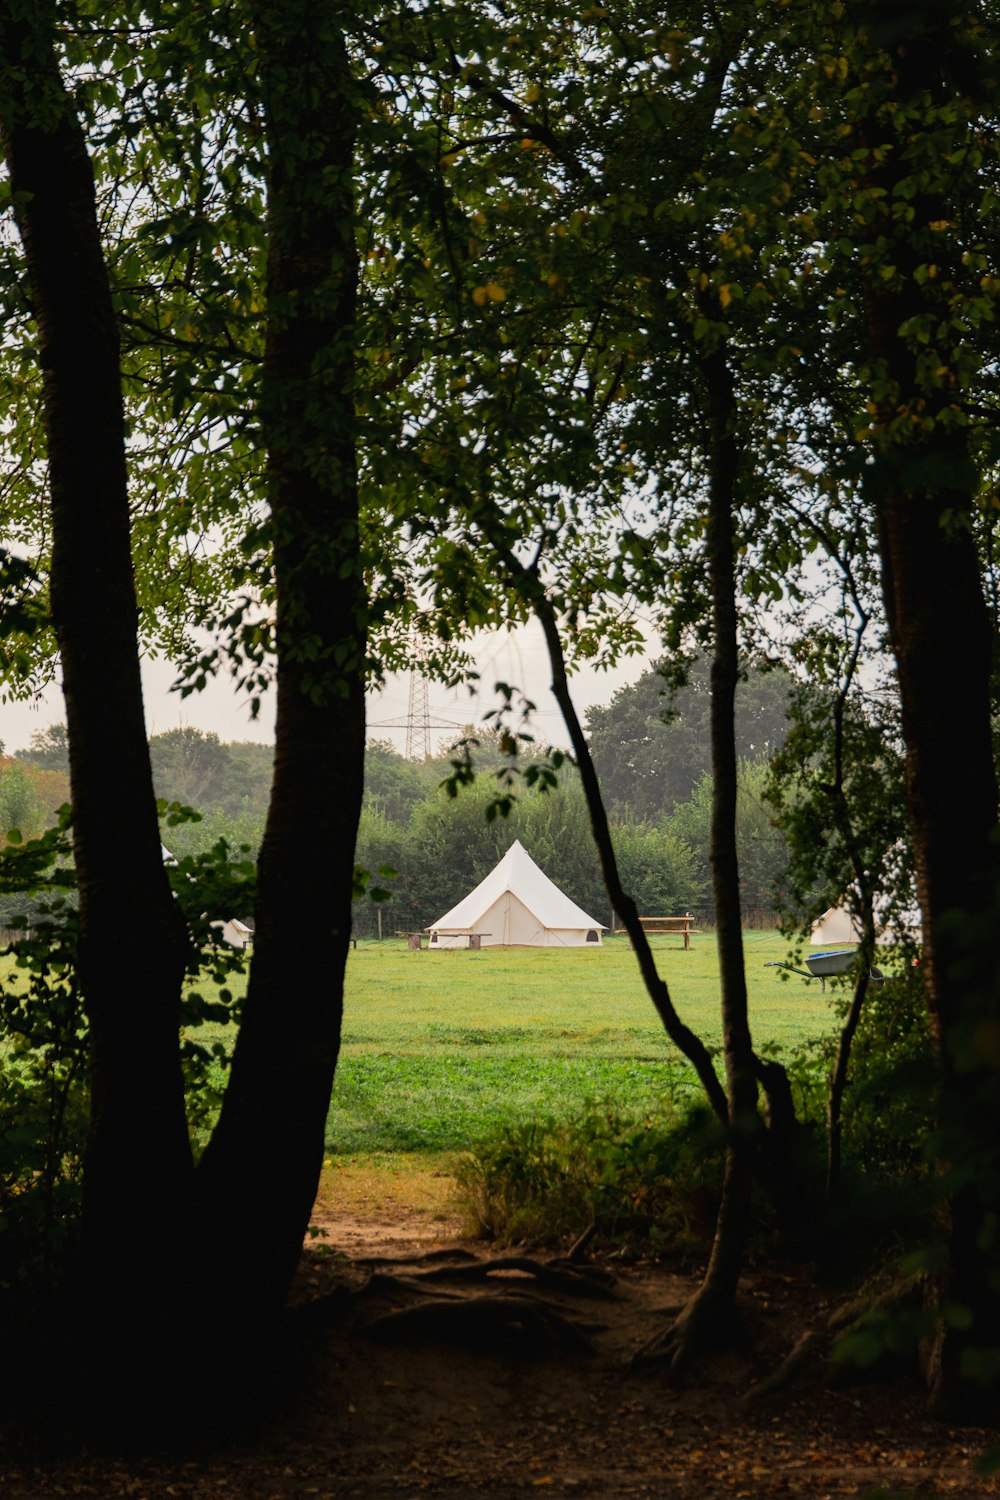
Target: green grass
<point>439,1048</point>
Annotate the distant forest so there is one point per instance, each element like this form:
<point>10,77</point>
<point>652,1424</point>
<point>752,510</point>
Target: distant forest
<point>651,748</point>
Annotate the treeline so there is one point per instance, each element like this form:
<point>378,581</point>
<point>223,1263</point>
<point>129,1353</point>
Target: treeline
<point>440,847</point>
<point>651,749</point>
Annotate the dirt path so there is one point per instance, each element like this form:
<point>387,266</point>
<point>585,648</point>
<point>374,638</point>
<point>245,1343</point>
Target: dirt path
<point>469,1417</point>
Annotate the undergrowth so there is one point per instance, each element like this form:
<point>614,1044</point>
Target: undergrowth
<point>641,1186</point>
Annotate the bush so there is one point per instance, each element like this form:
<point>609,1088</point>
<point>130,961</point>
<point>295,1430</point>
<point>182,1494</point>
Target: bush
<point>44,1084</point>
<point>649,1186</point>
<point>890,1103</point>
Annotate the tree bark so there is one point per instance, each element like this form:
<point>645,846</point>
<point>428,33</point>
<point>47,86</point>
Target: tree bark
<point>132,944</point>
<point>842,1061</point>
<point>924,484</point>
<point>692,1047</point>
<point>532,589</point>
<point>714,1299</point>
<point>268,1146</point>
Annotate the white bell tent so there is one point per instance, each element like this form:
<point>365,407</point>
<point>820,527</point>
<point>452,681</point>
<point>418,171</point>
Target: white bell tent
<point>837,925</point>
<point>517,905</point>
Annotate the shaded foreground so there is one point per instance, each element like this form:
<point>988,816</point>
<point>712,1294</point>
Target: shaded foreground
<point>461,1402</point>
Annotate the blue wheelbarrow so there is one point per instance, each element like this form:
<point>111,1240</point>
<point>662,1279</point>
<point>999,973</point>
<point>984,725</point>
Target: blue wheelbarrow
<point>821,965</point>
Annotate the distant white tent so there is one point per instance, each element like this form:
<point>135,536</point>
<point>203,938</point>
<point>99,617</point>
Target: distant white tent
<point>234,932</point>
<point>517,905</point>
<point>836,925</point>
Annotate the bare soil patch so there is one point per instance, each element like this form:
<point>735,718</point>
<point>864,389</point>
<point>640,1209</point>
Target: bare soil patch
<point>462,1404</point>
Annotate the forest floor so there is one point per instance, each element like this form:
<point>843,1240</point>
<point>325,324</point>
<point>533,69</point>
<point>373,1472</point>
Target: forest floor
<point>479,1395</point>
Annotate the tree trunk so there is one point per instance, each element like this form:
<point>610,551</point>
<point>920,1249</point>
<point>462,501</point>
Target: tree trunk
<point>266,1153</point>
<point>924,484</point>
<point>842,1061</point>
<point>690,1045</point>
<point>713,1301</point>
<point>132,946</point>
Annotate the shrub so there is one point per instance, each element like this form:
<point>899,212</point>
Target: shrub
<point>648,1186</point>
<point>44,1086</point>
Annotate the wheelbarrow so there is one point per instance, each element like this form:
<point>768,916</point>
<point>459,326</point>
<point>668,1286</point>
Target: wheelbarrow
<point>821,965</point>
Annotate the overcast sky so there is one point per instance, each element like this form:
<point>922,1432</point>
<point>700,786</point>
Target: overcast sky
<point>517,657</point>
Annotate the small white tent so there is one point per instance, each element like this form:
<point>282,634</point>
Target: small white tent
<point>836,925</point>
<point>517,905</point>
<point>234,932</point>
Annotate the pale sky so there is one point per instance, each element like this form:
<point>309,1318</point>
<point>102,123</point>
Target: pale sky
<point>518,657</point>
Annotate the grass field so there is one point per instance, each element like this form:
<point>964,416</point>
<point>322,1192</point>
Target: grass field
<point>440,1047</point>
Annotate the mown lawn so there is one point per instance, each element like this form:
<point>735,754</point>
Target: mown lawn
<point>440,1047</point>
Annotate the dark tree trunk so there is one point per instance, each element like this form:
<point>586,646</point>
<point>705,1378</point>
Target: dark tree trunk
<point>132,941</point>
<point>924,486</point>
<point>690,1045</point>
<point>267,1149</point>
<point>842,1061</point>
<point>713,1302</point>
<point>840,812</point>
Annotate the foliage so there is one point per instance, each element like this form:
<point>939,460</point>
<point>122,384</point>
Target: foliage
<point>837,793</point>
<point>651,745</point>
<point>43,1090</point>
<point>661,871</point>
<point>21,805</point>
<point>888,1125</point>
<point>49,748</point>
<point>760,844</point>
<point>44,1067</point>
<point>648,1185</point>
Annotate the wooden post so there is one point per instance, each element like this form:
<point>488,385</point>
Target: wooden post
<point>378,919</point>
<point>413,941</point>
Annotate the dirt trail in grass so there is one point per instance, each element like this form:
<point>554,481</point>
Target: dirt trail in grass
<point>364,1210</point>
<point>457,1405</point>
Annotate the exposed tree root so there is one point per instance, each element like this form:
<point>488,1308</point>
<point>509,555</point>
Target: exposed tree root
<point>509,1324</point>
<point>384,1283</point>
<point>580,1281</point>
<point>702,1325</point>
<point>808,1348</point>
<point>450,1253</point>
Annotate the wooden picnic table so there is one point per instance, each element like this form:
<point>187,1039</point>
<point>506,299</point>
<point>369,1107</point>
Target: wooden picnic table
<point>683,925</point>
<point>414,940</point>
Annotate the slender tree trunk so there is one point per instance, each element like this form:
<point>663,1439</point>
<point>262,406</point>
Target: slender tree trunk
<point>133,947</point>
<point>690,1045</point>
<point>842,1061</point>
<point>715,1296</point>
<point>266,1153</point>
<point>532,590</point>
<point>841,814</point>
